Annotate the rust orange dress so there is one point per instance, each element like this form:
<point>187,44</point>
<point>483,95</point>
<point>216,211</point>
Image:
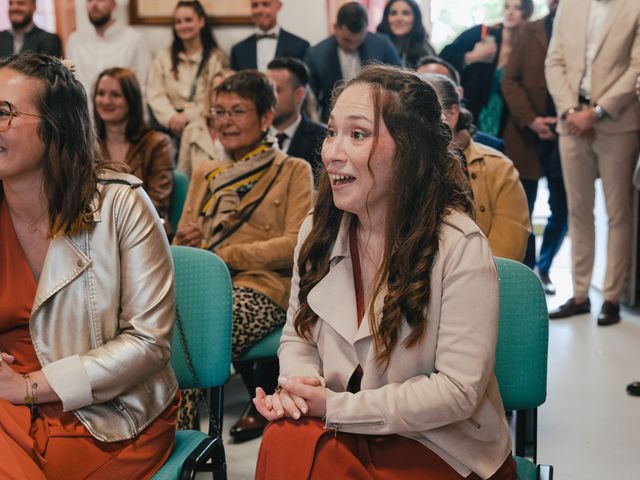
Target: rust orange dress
<point>55,444</point>
<point>322,454</point>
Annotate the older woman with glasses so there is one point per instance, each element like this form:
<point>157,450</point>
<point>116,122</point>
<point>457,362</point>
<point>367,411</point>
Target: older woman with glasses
<point>248,210</point>
<point>86,293</point>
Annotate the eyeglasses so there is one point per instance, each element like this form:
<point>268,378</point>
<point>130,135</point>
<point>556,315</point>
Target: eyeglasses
<point>7,114</point>
<point>234,113</point>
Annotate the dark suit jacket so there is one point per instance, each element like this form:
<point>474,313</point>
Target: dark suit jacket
<point>525,91</point>
<point>243,54</point>
<point>324,64</point>
<point>307,143</point>
<point>476,78</point>
<point>37,40</point>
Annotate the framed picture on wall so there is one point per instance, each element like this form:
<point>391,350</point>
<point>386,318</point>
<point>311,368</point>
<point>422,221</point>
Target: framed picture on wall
<point>160,12</point>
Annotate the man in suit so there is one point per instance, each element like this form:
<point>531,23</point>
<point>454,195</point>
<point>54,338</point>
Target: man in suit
<point>269,40</point>
<point>591,68</point>
<point>296,134</point>
<point>342,55</point>
<point>530,139</point>
<point>24,35</point>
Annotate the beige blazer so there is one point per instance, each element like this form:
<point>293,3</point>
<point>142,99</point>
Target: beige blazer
<point>260,252</point>
<point>615,66</point>
<point>442,392</point>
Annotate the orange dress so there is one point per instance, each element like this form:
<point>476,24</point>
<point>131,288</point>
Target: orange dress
<point>322,453</point>
<point>55,444</point>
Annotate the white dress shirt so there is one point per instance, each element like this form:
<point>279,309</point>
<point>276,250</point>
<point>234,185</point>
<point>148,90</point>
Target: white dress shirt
<point>266,47</point>
<point>349,64</point>
<point>121,46</point>
<point>290,131</point>
<point>597,18</point>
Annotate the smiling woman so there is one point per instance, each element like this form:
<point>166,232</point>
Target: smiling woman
<point>248,209</point>
<point>69,227</point>
<point>385,371</point>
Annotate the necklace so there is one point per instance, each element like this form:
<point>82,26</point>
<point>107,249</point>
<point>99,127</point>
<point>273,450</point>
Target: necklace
<point>31,227</point>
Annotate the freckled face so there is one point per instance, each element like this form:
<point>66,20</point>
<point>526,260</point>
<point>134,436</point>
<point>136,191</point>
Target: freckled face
<point>360,184</point>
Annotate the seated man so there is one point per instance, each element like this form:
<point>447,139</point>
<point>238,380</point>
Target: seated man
<point>297,135</point>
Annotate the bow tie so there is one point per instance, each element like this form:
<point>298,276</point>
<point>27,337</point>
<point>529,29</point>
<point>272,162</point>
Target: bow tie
<point>266,35</point>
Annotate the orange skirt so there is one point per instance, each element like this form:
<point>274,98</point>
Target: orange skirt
<point>60,447</point>
<point>320,454</point>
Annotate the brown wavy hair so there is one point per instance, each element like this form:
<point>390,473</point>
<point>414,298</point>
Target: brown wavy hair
<point>427,183</point>
<point>69,167</point>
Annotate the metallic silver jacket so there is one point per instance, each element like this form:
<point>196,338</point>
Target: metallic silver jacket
<point>102,317</point>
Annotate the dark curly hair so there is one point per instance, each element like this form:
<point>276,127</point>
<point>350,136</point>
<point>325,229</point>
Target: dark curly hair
<point>427,183</point>
<point>72,155</point>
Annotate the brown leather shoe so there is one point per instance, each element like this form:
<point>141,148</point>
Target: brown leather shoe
<point>570,308</point>
<point>249,426</point>
<point>609,314</point>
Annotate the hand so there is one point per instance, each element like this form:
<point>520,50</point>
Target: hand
<point>12,386</point>
<point>542,126</point>
<point>483,52</point>
<point>315,396</point>
<point>177,123</point>
<point>283,403</point>
<point>581,122</point>
<point>189,235</point>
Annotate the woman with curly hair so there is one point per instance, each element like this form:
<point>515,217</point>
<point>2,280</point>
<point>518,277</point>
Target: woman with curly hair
<point>387,355</point>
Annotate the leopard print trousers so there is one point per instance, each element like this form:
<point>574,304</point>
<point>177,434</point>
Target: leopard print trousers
<point>254,317</point>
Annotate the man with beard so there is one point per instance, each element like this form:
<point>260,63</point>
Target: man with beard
<point>107,44</point>
<point>24,35</point>
<point>296,133</point>
<point>530,139</point>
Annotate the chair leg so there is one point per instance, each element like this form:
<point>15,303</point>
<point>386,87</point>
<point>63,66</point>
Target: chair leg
<point>216,399</point>
<point>520,432</point>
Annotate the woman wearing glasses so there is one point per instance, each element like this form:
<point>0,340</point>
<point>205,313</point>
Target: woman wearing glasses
<point>86,293</point>
<point>248,210</point>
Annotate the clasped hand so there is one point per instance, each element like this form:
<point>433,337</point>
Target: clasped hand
<point>295,397</point>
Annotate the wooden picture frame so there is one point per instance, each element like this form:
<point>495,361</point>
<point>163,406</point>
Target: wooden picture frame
<point>160,12</point>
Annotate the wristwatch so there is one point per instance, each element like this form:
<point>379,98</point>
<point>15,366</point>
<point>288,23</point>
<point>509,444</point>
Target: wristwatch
<point>599,112</point>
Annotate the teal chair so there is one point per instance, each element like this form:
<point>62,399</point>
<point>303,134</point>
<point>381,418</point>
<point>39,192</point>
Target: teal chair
<point>521,358</point>
<point>203,298</point>
<point>178,196</point>
<point>265,348</point>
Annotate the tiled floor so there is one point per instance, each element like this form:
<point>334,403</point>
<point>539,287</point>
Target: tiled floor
<point>588,429</point>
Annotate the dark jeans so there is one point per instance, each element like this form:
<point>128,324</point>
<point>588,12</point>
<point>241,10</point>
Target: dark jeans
<point>556,228</point>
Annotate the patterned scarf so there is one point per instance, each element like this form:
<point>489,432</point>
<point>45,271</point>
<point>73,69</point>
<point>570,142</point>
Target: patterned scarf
<point>228,184</point>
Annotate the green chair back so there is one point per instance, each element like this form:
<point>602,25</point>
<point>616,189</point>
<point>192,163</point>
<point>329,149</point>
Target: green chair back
<point>204,300</point>
<point>521,354</point>
<point>178,196</point>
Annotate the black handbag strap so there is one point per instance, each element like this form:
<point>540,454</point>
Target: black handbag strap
<point>213,421</point>
<point>194,84</point>
<point>249,210</point>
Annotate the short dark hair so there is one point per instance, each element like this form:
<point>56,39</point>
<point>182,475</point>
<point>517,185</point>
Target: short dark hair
<point>251,85</point>
<point>353,16</point>
<point>527,8</point>
<point>136,126</point>
<point>297,68</point>
<point>432,59</point>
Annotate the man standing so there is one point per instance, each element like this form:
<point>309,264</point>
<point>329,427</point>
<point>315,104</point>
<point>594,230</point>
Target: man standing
<point>107,44</point>
<point>24,35</point>
<point>530,139</point>
<point>296,134</point>
<point>342,55</point>
<point>591,68</point>
<point>269,40</point>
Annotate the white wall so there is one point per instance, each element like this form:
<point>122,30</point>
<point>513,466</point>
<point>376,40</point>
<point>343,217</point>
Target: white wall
<point>306,18</point>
